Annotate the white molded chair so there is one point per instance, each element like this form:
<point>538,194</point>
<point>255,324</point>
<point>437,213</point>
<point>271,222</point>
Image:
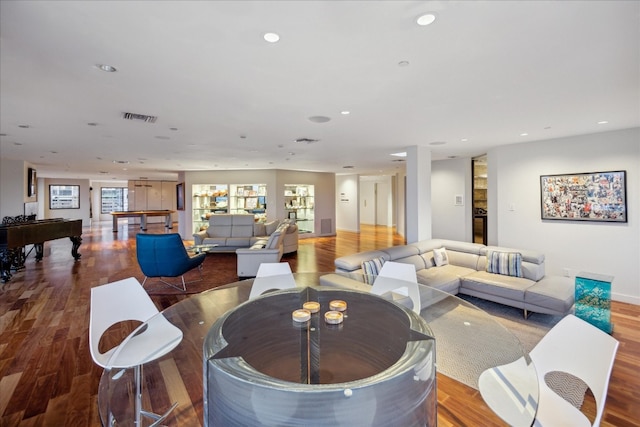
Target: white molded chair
<point>578,348</point>
<point>400,278</point>
<point>272,275</point>
<point>126,300</point>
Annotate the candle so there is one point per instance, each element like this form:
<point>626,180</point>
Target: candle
<point>337,305</point>
<point>301,315</point>
<point>312,306</point>
<point>333,317</point>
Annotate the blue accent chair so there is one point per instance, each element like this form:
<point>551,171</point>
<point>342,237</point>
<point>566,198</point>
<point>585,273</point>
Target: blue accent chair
<point>164,255</point>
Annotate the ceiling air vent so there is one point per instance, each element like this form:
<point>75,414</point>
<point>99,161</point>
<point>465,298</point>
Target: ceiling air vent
<point>139,117</point>
<point>306,140</point>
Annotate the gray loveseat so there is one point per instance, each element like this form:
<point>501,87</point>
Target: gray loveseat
<point>466,272</point>
<point>235,231</point>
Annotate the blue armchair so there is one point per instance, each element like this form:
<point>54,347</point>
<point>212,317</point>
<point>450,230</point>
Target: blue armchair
<point>164,255</point>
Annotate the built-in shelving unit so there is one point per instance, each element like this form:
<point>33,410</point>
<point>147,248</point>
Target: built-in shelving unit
<point>248,198</point>
<point>208,199</point>
<point>299,204</point>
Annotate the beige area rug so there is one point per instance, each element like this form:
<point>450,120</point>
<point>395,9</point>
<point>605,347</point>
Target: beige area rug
<point>472,342</point>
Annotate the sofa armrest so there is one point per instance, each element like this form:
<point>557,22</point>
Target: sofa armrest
<point>250,259</point>
<point>198,238</point>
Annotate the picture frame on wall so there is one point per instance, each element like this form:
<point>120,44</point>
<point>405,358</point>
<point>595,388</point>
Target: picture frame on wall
<point>32,183</point>
<point>591,196</point>
<point>64,197</point>
<point>180,196</point>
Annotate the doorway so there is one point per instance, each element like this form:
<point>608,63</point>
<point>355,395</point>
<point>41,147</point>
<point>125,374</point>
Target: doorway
<point>479,203</point>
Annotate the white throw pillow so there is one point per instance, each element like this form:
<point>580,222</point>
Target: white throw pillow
<point>440,257</point>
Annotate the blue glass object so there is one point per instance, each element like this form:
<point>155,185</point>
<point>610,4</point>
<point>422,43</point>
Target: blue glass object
<point>593,300</point>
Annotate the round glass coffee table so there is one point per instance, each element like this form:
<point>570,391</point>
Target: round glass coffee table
<point>468,341</point>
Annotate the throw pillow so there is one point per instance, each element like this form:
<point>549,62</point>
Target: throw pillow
<point>506,263</point>
<point>371,269</point>
<point>440,257</point>
<point>270,227</point>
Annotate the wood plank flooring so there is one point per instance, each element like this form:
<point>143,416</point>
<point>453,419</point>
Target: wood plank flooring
<point>47,377</point>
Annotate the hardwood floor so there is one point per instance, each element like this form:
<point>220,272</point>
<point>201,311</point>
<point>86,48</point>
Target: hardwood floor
<point>47,377</point>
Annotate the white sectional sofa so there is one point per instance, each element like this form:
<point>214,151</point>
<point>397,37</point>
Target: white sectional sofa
<point>236,231</point>
<point>466,271</point>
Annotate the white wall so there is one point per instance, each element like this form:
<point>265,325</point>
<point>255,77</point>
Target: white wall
<point>448,179</point>
<point>347,212</point>
<point>325,188</point>
<point>597,247</point>
<point>13,188</point>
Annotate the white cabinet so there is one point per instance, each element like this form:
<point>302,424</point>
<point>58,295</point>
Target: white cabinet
<point>151,195</point>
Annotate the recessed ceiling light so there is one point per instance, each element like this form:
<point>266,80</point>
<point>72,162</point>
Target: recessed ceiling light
<point>345,113</point>
<point>23,126</point>
<point>437,143</point>
<point>400,154</point>
<point>174,129</point>
<point>464,140</point>
<point>524,134</point>
<point>106,68</point>
<point>403,64</point>
<point>271,37</point>
<point>162,137</point>
<point>17,143</point>
<point>319,119</point>
<point>426,19</point>
<point>348,167</point>
<point>121,162</point>
<point>603,122</point>
<point>92,124</point>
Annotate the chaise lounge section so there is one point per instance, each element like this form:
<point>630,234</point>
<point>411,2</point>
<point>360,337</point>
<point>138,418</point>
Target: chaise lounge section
<point>513,277</point>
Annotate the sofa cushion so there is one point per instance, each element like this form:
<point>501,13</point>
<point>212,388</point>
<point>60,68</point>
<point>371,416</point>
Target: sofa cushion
<point>507,263</point>
<point>507,287</point>
<point>371,268</point>
<point>440,257</point>
<point>445,278</point>
<point>354,262</point>
<point>551,295</point>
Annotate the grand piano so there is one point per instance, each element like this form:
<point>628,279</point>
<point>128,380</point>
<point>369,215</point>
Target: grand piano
<point>14,236</point>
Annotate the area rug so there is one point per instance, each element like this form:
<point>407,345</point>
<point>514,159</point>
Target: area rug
<point>217,269</point>
<point>504,337</point>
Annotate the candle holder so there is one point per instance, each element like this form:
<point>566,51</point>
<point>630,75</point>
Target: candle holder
<point>312,306</point>
<point>301,315</point>
<point>337,305</point>
<point>333,317</point>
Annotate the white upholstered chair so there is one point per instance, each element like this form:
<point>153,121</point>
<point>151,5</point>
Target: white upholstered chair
<point>576,347</point>
<point>122,301</point>
<point>270,276</point>
<point>397,277</point>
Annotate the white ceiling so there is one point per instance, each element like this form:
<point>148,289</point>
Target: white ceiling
<point>484,72</point>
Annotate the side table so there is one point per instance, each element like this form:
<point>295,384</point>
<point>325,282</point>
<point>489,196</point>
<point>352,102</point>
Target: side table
<point>593,299</point>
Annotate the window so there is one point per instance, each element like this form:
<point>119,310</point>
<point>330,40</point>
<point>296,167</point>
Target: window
<point>114,199</point>
<point>64,197</point>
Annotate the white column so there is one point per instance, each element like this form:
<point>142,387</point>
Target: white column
<point>418,193</point>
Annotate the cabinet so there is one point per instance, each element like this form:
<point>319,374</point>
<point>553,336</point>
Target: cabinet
<point>151,195</point>
<point>208,199</point>
<point>299,205</point>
